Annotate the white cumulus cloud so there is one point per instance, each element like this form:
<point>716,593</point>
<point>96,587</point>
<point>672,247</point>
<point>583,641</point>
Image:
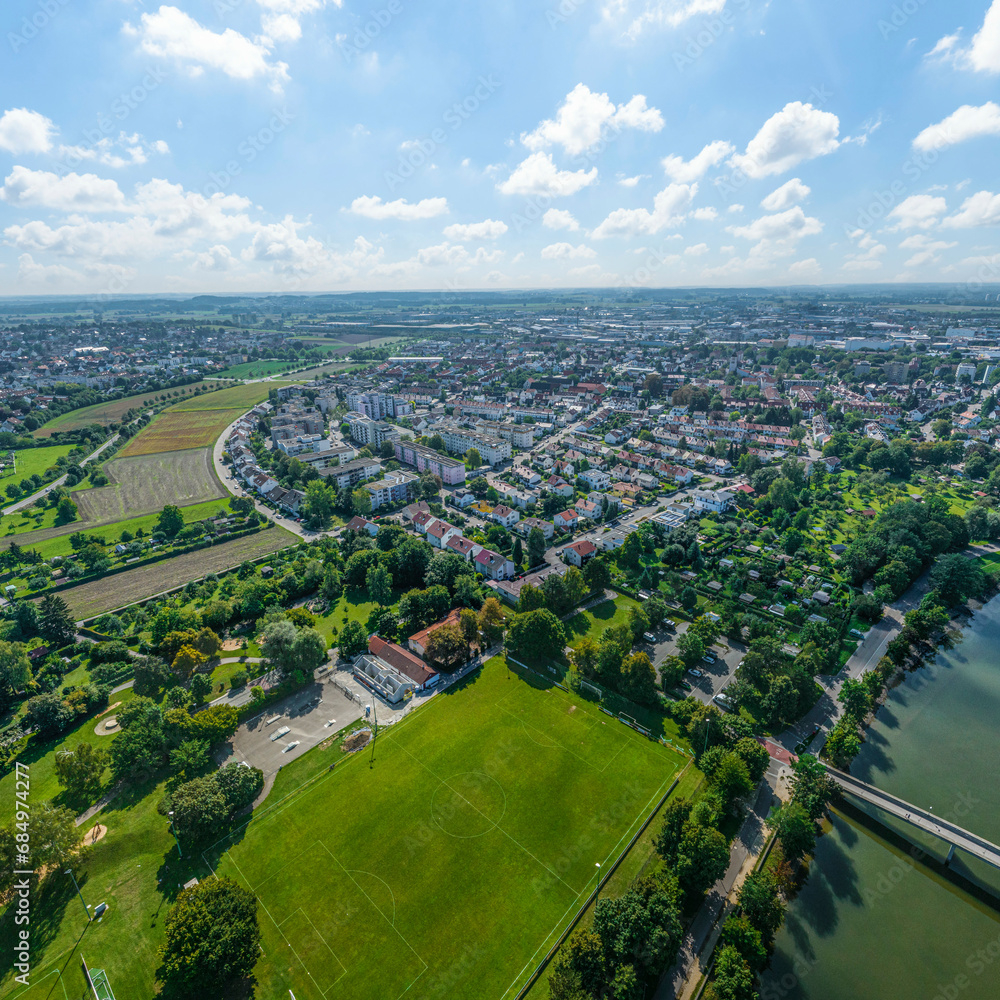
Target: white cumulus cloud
<point>24,188</point>
<point>669,210</point>
<point>919,211</point>
<point>538,174</point>
<point>373,207</point>
<point>169,33</point>
<point>790,193</point>
<point>983,54</point>
<point>685,171</point>
<point>488,229</point>
<point>980,209</point>
<point>566,251</point>
<point>796,133</point>
<point>559,218</point>
<point>585,118</point>
<point>968,122</point>
<point>25,131</point>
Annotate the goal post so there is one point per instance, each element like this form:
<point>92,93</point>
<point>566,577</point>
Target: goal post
<point>97,980</point>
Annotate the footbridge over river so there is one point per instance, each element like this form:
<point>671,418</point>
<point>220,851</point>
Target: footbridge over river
<point>923,819</point>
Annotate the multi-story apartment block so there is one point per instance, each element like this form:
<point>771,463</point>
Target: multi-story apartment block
<point>371,432</point>
<point>426,459</point>
<point>377,405</point>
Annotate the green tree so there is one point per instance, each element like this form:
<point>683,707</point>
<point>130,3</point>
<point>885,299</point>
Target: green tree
<point>55,837</point>
<point>212,940</point>
<point>855,698</point>
<point>739,933</point>
<point>536,547</point>
<point>353,639</point>
<point>761,903</point>
<point>55,623</point>
<point>15,669</point>
<point>447,646</point>
<point>317,508</point>
<point>362,502</point>
<point>491,620</point>
<point>811,786</point>
<point>795,829</point>
<point>379,585</point>
<point>80,770</point>
<point>472,458</point>
<point>641,927</point>
<point>702,859</point>
<point>733,978</point>
<point>170,521</point>
<point>65,511</point>
<point>536,634</point>
<point>518,554</point>
<point>843,743</point>
<point>200,687</point>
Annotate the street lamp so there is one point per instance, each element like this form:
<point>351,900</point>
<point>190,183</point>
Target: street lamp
<point>86,908</point>
<point>597,891</point>
<point>174,832</point>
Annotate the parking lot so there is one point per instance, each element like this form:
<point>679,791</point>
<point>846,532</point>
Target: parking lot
<point>715,676</point>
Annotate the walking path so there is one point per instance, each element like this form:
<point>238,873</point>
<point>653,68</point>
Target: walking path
<point>682,979</point>
<point>56,483</point>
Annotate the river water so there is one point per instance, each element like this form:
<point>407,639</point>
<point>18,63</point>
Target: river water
<point>871,923</point>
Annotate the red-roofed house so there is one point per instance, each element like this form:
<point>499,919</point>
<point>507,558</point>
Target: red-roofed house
<point>579,552</point>
<point>566,521</point>
<point>418,641</point>
<point>506,516</point>
<point>464,547</point>
<point>440,532</point>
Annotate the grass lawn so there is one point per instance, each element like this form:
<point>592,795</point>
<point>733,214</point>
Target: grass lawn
<point>641,860</point>
<point>258,369</point>
<point>448,867</point>
<point>592,623</point>
<point>29,462</point>
<point>41,758</point>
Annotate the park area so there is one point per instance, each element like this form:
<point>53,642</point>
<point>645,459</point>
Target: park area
<point>494,804</point>
<point>107,412</point>
<point>443,862</point>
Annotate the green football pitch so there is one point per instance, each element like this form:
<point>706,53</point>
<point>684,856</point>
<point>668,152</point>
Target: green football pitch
<point>446,866</point>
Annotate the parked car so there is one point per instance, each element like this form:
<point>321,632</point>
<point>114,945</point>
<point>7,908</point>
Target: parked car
<point>694,672</point>
<point>649,637</point>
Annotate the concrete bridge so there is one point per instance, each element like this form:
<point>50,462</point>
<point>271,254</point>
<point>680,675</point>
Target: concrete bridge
<point>923,819</point>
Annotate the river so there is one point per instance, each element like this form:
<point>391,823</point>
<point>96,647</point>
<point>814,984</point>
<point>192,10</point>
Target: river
<point>870,923</point>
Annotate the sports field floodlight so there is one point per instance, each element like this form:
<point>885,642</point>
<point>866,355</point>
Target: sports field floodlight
<point>174,832</point>
<point>69,872</point>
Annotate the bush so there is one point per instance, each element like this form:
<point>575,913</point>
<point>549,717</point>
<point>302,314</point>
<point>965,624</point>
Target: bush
<point>114,651</point>
<point>239,679</point>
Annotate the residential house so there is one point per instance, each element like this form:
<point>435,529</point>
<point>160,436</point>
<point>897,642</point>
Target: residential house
<point>579,552</point>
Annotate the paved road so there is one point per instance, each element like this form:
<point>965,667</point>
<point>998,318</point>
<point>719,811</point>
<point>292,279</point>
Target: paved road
<point>46,490</point>
<point>227,477</point>
<point>699,939</point>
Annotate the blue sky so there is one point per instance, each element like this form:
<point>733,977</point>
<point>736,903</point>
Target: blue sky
<point>307,145</point>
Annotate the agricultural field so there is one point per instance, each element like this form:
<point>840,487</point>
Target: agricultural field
<point>486,801</point>
<point>144,484</point>
<point>95,598</point>
<point>195,422</point>
<point>105,413</point>
<point>29,462</point>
